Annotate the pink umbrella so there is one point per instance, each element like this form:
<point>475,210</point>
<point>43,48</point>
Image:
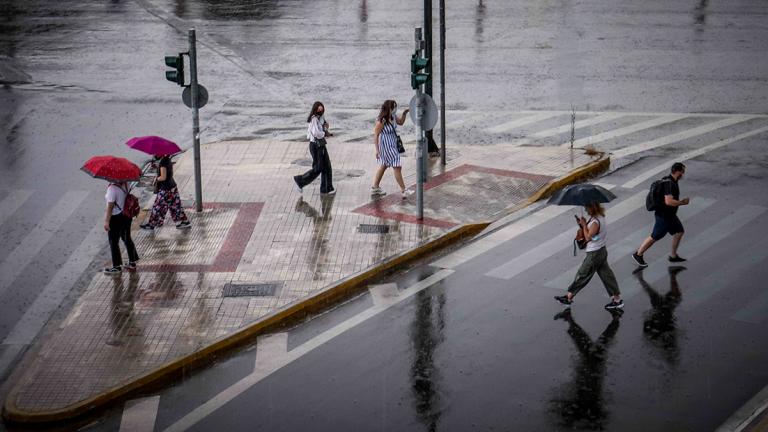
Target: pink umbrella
<point>153,145</point>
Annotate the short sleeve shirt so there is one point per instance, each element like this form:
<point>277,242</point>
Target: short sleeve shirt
<point>168,183</point>
<point>669,187</point>
<point>115,194</point>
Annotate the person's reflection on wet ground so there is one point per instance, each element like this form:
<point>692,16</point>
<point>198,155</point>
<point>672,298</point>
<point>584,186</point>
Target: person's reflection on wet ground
<point>580,404</point>
<point>660,324</point>
<point>426,334</point>
<point>700,15</point>
<point>317,256</point>
<point>121,314</point>
<point>479,19</point>
<point>363,11</point>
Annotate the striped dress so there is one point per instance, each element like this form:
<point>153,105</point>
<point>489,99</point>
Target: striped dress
<point>388,154</point>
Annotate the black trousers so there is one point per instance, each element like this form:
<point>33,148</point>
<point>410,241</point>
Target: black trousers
<point>120,228</point>
<point>321,166</point>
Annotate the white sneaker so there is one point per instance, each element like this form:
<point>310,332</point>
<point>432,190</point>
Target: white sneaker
<point>406,193</point>
<point>331,192</point>
<point>377,191</point>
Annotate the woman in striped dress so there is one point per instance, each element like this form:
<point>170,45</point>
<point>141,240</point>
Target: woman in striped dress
<point>385,141</point>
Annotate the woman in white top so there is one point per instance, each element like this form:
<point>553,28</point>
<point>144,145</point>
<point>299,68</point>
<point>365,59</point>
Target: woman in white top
<point>595,231</point>
<point>118,226</point>
<point>317,130</point>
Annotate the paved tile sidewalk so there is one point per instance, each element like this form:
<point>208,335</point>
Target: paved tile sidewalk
<point>256,229</point>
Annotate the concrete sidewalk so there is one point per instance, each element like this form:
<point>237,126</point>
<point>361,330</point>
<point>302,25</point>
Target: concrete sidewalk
<point>260,252</point>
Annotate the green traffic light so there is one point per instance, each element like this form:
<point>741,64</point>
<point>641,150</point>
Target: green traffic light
<point>417,78</point>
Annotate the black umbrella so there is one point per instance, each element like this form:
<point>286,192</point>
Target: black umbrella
<point>581,195</point>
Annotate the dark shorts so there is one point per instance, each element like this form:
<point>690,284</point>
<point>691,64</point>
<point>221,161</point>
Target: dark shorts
<point>666,225</point>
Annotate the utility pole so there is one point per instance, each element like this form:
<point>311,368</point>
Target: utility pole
<point>428,55</point>
<point>421,148</point>
<point>195,119</point>
<point>442,82</point>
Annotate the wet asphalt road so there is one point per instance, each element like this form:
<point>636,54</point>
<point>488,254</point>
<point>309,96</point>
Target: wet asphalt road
<point>81,77</point>
<point>479,348</point>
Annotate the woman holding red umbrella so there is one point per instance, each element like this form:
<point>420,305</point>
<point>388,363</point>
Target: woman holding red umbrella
<point>118,172</point>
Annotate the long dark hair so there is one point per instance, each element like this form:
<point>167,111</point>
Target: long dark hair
<point>314,112</point>
<point>594,209</point>
<point>385,114</point>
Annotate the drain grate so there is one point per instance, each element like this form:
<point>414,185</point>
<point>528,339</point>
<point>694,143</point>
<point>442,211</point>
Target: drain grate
<point>373,229</point>
<point>250,290</point>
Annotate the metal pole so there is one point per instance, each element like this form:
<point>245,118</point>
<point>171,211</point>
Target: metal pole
<point>442,82</point>
<point>420,144</point>
<point>195,119</point>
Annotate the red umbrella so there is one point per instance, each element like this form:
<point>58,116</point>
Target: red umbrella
<point>153,145</point>
<point>111,168</point>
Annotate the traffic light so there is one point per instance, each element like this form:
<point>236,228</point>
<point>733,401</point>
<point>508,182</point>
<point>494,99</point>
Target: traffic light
<point>176,62</point>
<point>418,78</point>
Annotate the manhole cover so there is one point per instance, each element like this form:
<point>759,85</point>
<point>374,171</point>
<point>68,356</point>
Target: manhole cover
<point>250,290</point>
<point>373,229</point>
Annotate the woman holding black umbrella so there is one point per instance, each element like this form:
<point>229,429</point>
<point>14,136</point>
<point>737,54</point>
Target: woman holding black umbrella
<point>594,231</point>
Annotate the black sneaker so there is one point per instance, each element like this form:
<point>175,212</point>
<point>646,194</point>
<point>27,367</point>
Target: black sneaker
<point>615,305</point>
<point>146,226</point>
<point>183,225</point>
<point>564,300</point>
<point>677,259</point>
<point>639,259</point>
<point>113,270</point>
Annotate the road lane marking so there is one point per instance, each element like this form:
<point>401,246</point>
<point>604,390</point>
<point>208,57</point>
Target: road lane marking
<point>505,234</point>
<point>700,244</point>
<point>57,288</point>
<point>664,166</point>
<point>271,351</point>
<point>741,263</point>
<point>12,202</point>
<point>579,124</point>
<point>244,384</point>
<point>679,136</point>
<point>139,415</point>
<point>628,244</point>
<point>384,294</point>
<point>508,126</point>
<point>560,242</point>
<point>33,243</point>
<point>626,130</point>
<point>754,312</point>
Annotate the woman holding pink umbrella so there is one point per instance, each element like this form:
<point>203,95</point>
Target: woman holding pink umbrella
<point>167,198</point>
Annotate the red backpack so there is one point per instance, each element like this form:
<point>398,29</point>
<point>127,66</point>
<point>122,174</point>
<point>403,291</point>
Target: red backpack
<point>131,207</point>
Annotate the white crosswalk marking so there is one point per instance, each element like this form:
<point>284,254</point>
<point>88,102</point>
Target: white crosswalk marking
<point>507,233</point>
<point>579,124</point>
<point>664,166</point>
<point>741,263</point>
<point>626,130</point>
<point>680,136</point>
<point>700,244</point>
<point>33,243</point>
<point>12,202</point>
<point>139,415</point>
<point>562,241</point>
<point>628,244</point>
<point>535,118</point>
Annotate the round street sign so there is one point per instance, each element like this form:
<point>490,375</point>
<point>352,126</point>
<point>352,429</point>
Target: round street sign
<point>429,112</point>
<point>202,96</point>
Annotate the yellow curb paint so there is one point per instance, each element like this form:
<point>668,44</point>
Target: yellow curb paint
<point>340,290</point>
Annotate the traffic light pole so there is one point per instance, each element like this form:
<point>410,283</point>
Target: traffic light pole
<point>421,147</point>
<point>428,54</point>
<point>442,82</point>
<point>195,119</point>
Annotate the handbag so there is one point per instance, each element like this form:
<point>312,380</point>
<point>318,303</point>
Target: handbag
<point>400,148</point>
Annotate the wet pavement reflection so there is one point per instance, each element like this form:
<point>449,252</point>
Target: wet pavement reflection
<point>581,404</point>
<point>660,324</point>
<point>318,252</point>
<point>427,332</point>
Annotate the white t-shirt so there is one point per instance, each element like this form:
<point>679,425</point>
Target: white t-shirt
<point>117,195</point>
<point>598,241</point>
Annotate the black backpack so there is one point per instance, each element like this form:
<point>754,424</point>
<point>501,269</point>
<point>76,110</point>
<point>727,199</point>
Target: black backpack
<point>655,198</point>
